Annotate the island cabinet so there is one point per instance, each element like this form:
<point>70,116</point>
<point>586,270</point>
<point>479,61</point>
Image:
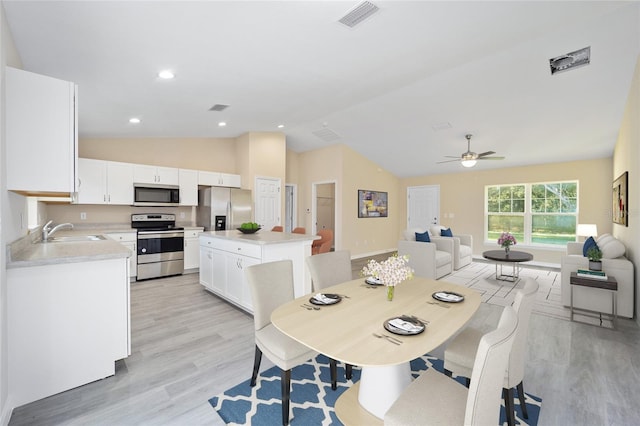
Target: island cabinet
<point>68,324</point>
<point>224,256</point>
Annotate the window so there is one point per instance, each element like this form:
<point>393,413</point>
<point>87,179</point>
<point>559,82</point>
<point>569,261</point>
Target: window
<point>536,214</point>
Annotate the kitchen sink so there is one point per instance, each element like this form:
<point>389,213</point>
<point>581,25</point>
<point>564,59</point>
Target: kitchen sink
<point>75,238</point>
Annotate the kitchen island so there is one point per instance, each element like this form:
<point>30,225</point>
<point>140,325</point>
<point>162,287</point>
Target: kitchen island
<point>225,254</point>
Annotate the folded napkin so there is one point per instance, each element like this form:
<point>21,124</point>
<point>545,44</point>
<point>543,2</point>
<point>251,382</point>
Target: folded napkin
<point>448,296</point>
<point>405,325</point>
<point>324,299</point>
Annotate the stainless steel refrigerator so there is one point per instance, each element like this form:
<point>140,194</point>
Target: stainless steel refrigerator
<point>220,208</point>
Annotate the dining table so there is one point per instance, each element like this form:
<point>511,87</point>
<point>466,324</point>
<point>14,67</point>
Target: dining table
<point>354,330</point>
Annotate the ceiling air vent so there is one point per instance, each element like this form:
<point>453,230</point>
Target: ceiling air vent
<point>570,60</point>
<point>218,107</point>
<point>358,14</point>
<point>326,135</point>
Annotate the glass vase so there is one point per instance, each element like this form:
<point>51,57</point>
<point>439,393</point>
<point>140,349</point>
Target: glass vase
<point>506,249</point>
<point>390,290</point>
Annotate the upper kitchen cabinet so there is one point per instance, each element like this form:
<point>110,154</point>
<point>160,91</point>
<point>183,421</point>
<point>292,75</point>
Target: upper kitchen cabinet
<point>218,179</point>
<point>41,133</point>
<point>104,182</point>
<point>188,187</point>
<point>155,175</point>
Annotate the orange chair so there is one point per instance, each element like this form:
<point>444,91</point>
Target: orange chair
<point>323,245</point>
<point>277,229</point>
<point>299,230</point>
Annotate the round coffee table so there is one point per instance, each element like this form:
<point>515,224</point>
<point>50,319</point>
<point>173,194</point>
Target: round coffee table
<point>514,257</point>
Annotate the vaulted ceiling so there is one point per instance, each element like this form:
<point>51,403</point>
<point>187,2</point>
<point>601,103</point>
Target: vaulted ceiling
<point>403,87</point>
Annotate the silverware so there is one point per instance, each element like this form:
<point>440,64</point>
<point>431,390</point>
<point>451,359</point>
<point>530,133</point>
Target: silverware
<point>389,338</point>
<point>438,304</point>
<point>311,307</point>
<point>306,307</point>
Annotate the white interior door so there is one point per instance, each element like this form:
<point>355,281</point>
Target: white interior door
<point>267,195</point>
<point>423,206</point>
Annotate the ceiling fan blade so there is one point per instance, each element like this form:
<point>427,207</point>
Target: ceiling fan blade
<point>486,153</point>
<point>491,158</point>
<point>452,156</point>
<point>448,161</point>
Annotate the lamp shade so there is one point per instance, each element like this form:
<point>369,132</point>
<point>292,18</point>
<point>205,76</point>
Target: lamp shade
<point>468,163</point>
<point>587,230</point>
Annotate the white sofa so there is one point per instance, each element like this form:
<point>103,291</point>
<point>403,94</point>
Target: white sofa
<point>614,264</point>
<point>462,246</point>
<point>430,260</point>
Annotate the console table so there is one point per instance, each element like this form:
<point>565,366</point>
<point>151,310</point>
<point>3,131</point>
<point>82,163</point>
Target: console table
<point>610,285</point>
<point>513,257</point>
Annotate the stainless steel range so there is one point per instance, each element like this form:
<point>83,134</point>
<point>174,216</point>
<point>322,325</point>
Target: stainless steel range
<point>160,245</point>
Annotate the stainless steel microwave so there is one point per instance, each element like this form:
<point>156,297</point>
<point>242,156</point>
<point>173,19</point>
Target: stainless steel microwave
<point>155,195</point>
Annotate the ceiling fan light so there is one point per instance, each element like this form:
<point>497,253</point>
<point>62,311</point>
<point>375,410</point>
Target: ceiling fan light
<point>468,163</point>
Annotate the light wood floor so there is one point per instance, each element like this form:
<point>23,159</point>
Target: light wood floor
<point>188,345</point>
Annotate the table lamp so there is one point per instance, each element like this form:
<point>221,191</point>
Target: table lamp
<point>587,230</point>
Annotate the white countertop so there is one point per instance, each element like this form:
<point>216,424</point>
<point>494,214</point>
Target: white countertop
<point>28,251</point>
<point>260,237</point>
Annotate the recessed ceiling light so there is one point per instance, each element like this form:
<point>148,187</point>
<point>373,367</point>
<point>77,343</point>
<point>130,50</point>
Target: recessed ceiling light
<point>166,75</point>
<point>280,126</point>
<point>134,120</point>
<point>222,124</point>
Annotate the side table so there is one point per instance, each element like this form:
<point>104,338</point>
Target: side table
<point>610,284</point>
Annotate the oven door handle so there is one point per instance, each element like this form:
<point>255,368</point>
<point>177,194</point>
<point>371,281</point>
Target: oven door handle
<point>147,235</point>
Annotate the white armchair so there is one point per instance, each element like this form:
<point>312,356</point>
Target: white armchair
<point>462,246</point>
<point>429,260</point>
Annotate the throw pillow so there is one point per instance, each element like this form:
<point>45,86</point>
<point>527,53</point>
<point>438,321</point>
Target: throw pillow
<point>589,242</point>
<point>424,237</point>
<point>446,233</point>
<point>612,248</point>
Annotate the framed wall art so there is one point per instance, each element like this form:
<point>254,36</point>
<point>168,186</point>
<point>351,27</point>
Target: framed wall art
<point>372,203</point>
<point>620,199</point>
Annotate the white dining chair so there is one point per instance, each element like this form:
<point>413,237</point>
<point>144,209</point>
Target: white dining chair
<point>459,355</point>
<point>435,399</point>
<point>329,269</point>
<point>271,285</point>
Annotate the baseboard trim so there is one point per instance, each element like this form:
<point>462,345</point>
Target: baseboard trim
<point>374,253</point>
<point>7,411</point>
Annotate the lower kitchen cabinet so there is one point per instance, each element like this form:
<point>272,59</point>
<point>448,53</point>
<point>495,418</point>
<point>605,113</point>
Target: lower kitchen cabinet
<point>70,322</point>
<point>224,258</point>
<point>130,241</point>
<point>191,250</point>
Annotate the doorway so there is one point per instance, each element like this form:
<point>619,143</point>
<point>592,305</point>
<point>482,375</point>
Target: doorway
<point>290,206</point>
<point>324,212</point>
<point>267,196</point>
<point>423,206</point>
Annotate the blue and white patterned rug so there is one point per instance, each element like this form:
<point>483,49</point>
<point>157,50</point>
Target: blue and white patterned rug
<point>312,399</point>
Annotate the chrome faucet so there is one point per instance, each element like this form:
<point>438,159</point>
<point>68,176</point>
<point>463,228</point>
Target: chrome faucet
<point>47,232</point>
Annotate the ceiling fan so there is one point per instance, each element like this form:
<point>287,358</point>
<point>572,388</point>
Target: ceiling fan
<point>469,159</point>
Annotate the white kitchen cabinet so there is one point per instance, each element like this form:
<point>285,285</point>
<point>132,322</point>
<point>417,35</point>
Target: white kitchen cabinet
<point>155,175</point>
<point>104,182</point>
<point>188,187</point>
<point>41,133</point>
<point>206,269</point>
<point>130,241</point>
<point>70,322</point>
<point>219,179</point>
<point>226,254</point>
<point>191,250</point>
